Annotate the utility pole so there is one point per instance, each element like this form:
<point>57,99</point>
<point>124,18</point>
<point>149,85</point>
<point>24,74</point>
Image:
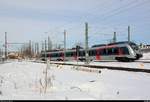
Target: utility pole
<point>42,46</point>
<point>6,45</point>
<point>49,44</point>
<point>37,48</point>
<point>30,49</point>
<point>86,43</point>
<point>128,33</point>
<point>45,45</point>
<point>77,52</point>
<point>45,50</point>
<point>64,45</point>
<point>114,38</point>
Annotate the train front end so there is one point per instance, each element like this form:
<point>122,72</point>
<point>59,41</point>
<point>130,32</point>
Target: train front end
<point>137,50</point>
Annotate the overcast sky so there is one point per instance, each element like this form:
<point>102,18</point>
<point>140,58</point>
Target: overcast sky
<point>34,20</point>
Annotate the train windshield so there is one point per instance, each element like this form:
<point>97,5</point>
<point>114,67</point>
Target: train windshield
<point>134,46</point>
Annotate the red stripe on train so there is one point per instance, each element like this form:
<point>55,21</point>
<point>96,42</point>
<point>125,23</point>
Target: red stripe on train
<point>98,56</point>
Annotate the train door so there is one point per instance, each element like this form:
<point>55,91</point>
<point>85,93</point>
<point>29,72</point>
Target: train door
<point>62,56</point>
<point>120,51</point>
<point>49,56</point>
<point>74,55</point>
<point>98,56</point>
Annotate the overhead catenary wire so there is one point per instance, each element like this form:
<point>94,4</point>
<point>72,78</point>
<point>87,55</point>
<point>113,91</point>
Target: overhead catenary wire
<point>124,10</point>
<point>65,25</point>
<point>114,12</point>
<point>119,11</point>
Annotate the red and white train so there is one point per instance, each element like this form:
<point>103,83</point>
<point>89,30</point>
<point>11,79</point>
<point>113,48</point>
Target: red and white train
<point>121,51</point>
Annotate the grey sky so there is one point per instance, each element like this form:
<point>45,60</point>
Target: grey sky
<point>26,20</point>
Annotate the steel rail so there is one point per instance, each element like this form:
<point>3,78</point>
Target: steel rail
<point>104,67</point>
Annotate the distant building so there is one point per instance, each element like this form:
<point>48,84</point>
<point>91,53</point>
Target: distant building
<point>142,46</point>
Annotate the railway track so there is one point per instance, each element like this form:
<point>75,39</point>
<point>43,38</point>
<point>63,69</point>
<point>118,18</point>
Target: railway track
<point>144,60</point>
<point>104,67</point>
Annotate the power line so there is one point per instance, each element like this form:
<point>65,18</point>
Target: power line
<point>119,8</point>
<point>115,11</point>
<point>125,9</point>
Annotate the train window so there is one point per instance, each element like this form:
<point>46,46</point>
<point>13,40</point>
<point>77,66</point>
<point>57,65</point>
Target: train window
<point>43,55</point>
<point>58,54</point>
<point>134,46</point>
<point>109,51</point>
<point>124,50</point>
<point>115,51</point>
<point>68,54</point>
<point>103,52</point>
<point>53,55</point>
<point>92,52</point>
<point>48,55</point>
<point>71,53</point>
<point>81,53</point>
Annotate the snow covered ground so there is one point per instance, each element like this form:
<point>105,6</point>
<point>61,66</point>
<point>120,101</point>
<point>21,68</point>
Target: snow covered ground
<point>146,56</point>
<point>137,65</point>
<point>24,80</point>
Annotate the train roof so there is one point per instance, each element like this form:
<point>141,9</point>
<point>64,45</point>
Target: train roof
<point>99,45</point>
<point>123,42</point>
<point>116,43</point>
